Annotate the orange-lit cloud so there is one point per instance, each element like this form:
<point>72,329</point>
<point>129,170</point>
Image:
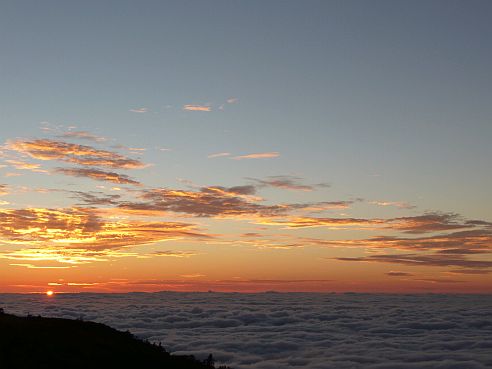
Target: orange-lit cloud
<point>139,110</point>
<point>63,257</point>
<point>18,164</point>
<point>236,284</point>
<point>423,260</point>
<point>398,204</point>
<point>430,222</point>
<point>218,155</point>
<point>44,149</point>
<point>242,202</point>
<point>83,135</point>
<point>3,190</point>
<point>207,202</point>
<point>455,243</point>
<point>438,280</point>
<point>259,155</point>
<point>32,266</point>
<point>12,174</point>
<point>96,198</point>
<point>307,222</point>
<point>287,183</point>
<point>78,284</point>
<point>399,274</point>
<point>174,254</point>
<point>433,222</point>
<point>98,175</point>
<point>191,107</point>
<point>469,271</point>
<point>266,241</point>
<point>79,228</point>
<point>321,206</point>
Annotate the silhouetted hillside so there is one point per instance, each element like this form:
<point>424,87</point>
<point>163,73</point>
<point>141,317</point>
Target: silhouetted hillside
<point>36,342</point>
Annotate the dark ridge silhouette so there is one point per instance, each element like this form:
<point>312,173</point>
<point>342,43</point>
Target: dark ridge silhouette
<point>38,343</point>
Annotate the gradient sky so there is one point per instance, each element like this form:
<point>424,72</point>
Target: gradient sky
<point>246,146</point>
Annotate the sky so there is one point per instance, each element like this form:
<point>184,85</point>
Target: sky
<point>245,146</point>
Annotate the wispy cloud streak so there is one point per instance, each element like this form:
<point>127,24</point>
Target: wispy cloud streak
<point>139,110</point>
<point>259,155</point>
<point>98,175</point>
<point>191,107</point>
<point>44,149</point>
<point>286,183</point>
<point>83,135</point>
<point>218,155</point>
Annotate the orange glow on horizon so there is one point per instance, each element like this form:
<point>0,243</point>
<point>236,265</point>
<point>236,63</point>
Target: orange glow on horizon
<point>151,237</point>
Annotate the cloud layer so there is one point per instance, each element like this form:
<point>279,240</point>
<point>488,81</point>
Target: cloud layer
<point>290,331</point>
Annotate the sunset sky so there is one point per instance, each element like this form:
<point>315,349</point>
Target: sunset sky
<point>246,146</point>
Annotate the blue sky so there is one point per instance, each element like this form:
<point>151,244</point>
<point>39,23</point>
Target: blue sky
<point>382,100</point>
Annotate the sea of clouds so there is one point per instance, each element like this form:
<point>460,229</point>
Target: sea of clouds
<point>292,330</point>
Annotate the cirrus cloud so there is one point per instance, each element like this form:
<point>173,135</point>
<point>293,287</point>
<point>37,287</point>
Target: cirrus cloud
<point>286,183</point>
<point>45,149</point>
<point>422,260</point>
<point>139,110</point>
<point>98,175</point>
<point>258,155</point>
<point>193,107</point>
<point>218,155</point>
<point>83,135</point>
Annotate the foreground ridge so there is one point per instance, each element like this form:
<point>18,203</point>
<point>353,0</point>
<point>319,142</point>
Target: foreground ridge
<point>38,342</point>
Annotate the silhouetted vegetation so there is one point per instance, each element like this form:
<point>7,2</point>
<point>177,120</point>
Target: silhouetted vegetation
<point>36,342</point>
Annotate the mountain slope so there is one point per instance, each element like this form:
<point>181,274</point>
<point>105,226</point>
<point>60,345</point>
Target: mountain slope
<point>36,342</point>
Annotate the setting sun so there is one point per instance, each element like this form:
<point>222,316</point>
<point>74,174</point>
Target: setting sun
<point>49,293</point>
